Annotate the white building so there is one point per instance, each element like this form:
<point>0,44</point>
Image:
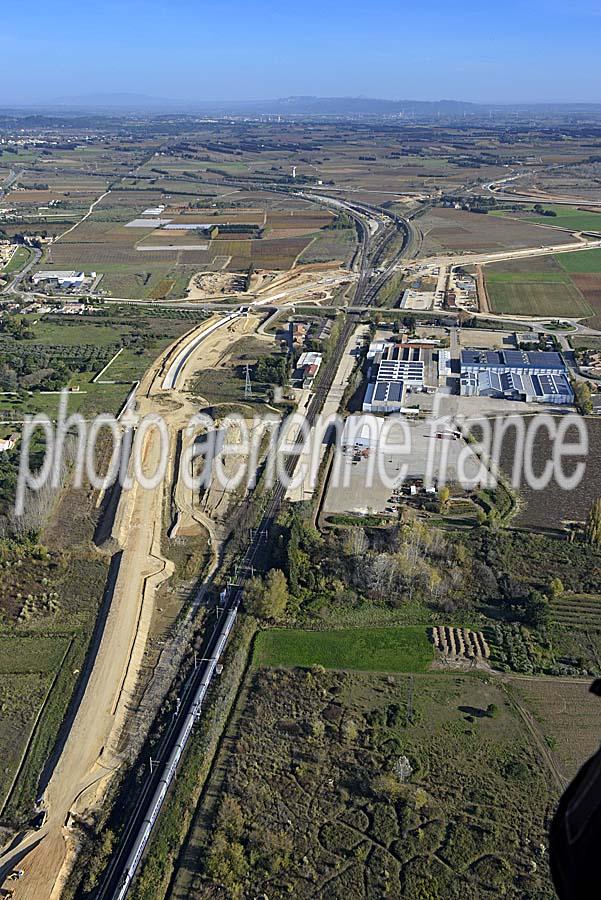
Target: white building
<point>64,279</point>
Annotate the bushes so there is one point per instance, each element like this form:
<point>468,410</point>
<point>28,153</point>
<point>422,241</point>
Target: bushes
<point>511,649</point>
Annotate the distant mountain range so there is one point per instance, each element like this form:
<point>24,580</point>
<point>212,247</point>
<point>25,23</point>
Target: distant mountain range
<point>286,106</point>
<point>327,107</point>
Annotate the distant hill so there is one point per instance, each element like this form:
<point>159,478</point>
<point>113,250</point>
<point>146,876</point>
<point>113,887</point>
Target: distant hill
<point>286,106</point>
<point>124,104</point>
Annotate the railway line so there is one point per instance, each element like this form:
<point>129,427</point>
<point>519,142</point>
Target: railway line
<point>143,815</point>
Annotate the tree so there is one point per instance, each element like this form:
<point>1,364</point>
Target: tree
<point>226,863</point>
<point>538,610</point>
<point>230,818</point>
<point>593,524</point>
<point>268,598</point>
<point>492,710</point>
<point>444,496</point>
<point>582,396</point>
<point>556,588</point>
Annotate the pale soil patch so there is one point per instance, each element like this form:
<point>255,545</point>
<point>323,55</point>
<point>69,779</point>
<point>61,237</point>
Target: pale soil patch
<point>208,285</point>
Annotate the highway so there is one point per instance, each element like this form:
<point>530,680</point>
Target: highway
<point>132,842</point>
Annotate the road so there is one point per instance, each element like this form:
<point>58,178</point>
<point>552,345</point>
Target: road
<point>10,179</point>
<point>127,854</point>
<point>467,259</point>
<point>91,209</point>
<point>85,763</point>
<point>13,287</point>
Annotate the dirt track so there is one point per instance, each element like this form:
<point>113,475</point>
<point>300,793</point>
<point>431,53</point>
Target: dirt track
<point>90,753</point>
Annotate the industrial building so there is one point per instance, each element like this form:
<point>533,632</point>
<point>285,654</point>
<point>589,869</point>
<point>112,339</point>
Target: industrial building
<point>67,280</point>
<point>397,370</point>
<point>532,377</point>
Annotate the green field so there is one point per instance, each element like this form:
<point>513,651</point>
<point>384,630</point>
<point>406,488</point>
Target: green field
<point>67,333</point>
<point>570,218</point>
<point>577,610</point>
<point>510,294</point>
<point>370,650</point>
<point>582,261</point>
<point>21,654</point>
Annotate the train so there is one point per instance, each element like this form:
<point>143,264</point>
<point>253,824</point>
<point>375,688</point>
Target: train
<point>175,756</point>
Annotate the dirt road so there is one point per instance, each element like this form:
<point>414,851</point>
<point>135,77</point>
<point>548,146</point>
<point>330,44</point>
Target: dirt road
<point>90,753</point>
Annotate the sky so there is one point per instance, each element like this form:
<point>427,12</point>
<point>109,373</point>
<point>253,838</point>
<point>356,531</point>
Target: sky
<point>526,51</point>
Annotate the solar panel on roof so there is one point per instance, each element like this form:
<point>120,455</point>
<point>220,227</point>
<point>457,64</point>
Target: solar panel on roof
<point>545,359</point>
<point>380,391</point>
<point>396,391</point>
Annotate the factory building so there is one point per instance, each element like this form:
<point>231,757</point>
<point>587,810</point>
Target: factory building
<point>62,279</point>
<point>532,377</point>
<point>396,370</point>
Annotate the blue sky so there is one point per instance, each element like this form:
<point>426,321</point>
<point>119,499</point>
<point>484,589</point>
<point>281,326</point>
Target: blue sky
<point>483,51</point>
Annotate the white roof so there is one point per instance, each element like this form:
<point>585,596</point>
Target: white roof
<point>60,275</point>
<point>309,358</point>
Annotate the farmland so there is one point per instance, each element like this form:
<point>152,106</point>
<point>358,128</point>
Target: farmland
<point>372,649</point>
<point>552,507</point>
<point>568,716</point>
<point>69,352</point>
<point>457,230</point>
<point>545,287</point>
<point>568,217</point>
<point>149,263</point>
<point>469,815</point>
<point>540,298</point>
<point>357,761</point>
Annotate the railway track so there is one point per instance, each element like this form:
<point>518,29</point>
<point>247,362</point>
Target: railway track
<point>142,816</point>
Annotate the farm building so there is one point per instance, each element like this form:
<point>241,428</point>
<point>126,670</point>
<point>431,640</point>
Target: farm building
<point>533,377</point>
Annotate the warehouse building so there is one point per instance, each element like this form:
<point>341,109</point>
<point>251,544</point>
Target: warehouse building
<point>396,370</point>
<point>61,279</point>
<point>532,377</point>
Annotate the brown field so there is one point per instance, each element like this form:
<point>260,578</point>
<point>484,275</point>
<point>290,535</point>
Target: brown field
<point>98,232</point>
<point>42,197</point>
<point>568,715</point>
<point>72,255</point>
<point>295,219</point>
<point>553,507</point>
<point>589,285</point>
<point>159,238</point>
<point>234,216</point>
<point>455,229</point>
<point>277,254</point>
